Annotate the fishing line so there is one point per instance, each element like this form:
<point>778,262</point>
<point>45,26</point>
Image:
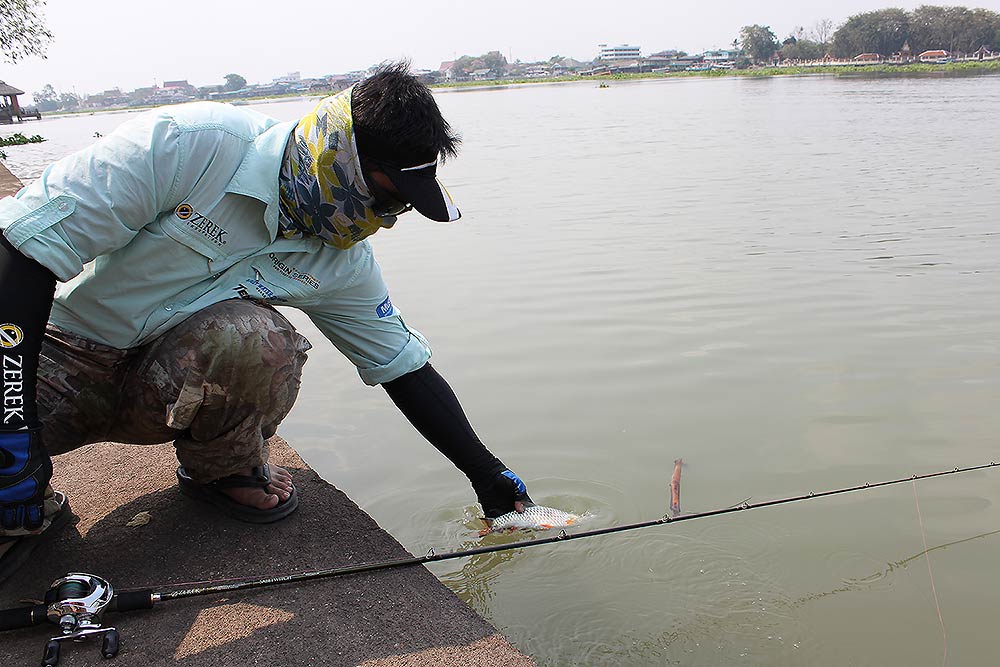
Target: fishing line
<point>930,575</point>
<point>146,598</point>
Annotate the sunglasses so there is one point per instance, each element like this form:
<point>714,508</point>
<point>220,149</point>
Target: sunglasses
<point>389,207</point>
<point>385,204</point>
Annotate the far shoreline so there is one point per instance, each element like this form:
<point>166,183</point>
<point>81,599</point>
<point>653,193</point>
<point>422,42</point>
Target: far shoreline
<point>911,70</point>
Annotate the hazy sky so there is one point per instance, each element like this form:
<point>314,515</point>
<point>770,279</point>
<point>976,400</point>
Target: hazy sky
<point>101,44</point>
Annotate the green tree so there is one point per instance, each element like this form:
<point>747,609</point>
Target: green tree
<point>46,99</point>
<point>802,49</point>
<point>461,67</point>
<point>234,82</point>
<point>759,42</point>
<point>495,62</point>
<point>952,28</point>
<point>22,30</point>
<point>884,32</point>
<point>68,101</point>
<point>823,31</point>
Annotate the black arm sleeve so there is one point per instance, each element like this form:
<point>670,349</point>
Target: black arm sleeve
<point>26,292</point>
<point>427,401</point>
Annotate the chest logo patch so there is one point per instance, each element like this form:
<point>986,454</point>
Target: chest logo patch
<point>201,224</point>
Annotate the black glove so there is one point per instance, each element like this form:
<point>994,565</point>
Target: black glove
<point>25,471</point>
<point>498,495</point>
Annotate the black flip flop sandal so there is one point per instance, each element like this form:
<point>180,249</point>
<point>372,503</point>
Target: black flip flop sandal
<point>212,494</point>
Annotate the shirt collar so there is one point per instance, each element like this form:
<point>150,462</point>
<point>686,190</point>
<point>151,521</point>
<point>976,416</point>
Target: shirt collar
<point>257,176</point>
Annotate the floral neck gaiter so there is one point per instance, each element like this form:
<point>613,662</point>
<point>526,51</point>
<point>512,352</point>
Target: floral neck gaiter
<point>322,191</point>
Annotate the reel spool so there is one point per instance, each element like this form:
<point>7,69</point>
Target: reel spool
<point>76,603</point>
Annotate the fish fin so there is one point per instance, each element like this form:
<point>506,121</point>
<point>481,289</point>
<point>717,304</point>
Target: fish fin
<point>570,521</point>
<point>484,532</point>
<point>546,526</point>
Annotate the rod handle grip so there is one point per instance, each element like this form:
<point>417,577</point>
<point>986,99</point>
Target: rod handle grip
<point>133,600</point>
<point>22,617</point>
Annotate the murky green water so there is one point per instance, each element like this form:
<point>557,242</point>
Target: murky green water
<point>791,283</point>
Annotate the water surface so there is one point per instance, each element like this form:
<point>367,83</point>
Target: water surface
<point>791,283</point>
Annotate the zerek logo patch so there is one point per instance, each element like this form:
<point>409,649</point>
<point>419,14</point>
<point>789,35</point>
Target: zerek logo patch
<point>10,335</point>
<point>13,389</point>
<point>201,224</point>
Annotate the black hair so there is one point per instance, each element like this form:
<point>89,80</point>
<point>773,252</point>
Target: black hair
<point>397,121</point>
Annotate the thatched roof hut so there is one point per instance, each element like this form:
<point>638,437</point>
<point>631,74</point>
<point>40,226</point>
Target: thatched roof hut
<point>9,108</point>
<point>7,90</point>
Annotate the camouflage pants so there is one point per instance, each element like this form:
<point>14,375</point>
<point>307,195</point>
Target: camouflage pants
<point>217,385</point>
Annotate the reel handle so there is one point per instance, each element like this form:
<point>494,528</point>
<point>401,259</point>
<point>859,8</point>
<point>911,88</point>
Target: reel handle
<point>51,656</point>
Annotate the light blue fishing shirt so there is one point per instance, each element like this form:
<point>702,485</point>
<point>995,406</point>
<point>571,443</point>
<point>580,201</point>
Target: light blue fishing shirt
<point>178,210</point>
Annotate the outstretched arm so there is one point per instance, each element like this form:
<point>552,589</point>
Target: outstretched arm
<point>429,403</point>
<point>26,291</point>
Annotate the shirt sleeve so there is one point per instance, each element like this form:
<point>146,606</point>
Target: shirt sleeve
<point>96,200</point>
<point>366,327</point>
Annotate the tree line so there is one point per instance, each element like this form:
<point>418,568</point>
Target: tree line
<point>885,32</point>
<point>928,27</point>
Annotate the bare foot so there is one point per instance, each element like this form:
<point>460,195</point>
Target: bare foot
<point>278,490</point>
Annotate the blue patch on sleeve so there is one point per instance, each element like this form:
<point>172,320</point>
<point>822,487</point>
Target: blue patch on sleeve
<point>384,309</point>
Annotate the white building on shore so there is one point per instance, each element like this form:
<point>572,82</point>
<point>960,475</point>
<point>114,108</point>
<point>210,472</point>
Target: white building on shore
<point>620,52</point>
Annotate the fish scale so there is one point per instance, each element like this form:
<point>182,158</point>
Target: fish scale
<point>534,517</point>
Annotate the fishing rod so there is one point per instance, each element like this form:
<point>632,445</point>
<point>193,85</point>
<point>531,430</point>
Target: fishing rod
<point>77,602</point>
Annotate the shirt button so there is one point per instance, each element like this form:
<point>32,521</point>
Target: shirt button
<point>168,307</point>
<point>62,206</point>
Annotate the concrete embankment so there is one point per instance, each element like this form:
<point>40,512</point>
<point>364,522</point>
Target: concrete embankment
<point>9,183</point>
<point>402,616</point>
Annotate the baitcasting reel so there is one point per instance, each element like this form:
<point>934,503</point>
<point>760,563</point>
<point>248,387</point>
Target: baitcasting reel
<point>76,603</point>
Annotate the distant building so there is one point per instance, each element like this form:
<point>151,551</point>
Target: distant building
<point>107,99</point>
<point>904,55</point>
<point>662,59</point>
<point>934,56</point>
<point>867,58</point>
<point>620,52</point>
<point>721,55</point>
<point>181,86</point>
<point>445,69</point>
<point>983,54</point>
<point>339,81</point>
<point>537,71</point>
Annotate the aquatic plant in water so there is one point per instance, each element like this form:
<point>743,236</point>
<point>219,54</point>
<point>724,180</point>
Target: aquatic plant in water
<point>18,139</point>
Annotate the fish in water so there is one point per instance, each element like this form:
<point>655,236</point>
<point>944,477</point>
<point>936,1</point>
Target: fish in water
<point>534,517</point>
